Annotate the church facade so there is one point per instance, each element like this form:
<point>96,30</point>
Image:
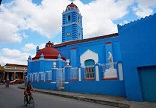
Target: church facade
<point>97,65</point>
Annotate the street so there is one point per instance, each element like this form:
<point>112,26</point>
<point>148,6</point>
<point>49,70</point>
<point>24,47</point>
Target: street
<point>12,97</point>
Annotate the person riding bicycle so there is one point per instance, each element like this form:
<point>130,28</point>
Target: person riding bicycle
<point>28,89</point>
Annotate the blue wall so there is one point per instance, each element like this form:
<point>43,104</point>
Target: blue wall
<point>113,88</point>
<point>138,41</point>
<point>73,52</point>
<point>97,46</point>
<point>44,85</point>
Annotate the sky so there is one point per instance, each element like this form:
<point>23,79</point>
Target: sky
<point>25,24</point>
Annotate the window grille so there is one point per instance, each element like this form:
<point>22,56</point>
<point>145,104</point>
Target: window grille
<point>89,72</point>
<point>74,74</point>
<point>49,76</point>
<point>35,77</point>
<point>41,76</point>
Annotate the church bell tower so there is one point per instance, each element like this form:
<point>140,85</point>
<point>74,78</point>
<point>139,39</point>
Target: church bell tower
<point>71,24</point>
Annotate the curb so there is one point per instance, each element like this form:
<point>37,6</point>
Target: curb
<point>81,98</point>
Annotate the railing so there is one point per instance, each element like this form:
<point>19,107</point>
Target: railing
<point>35,77</point>
<point>60,78</point>
<point>30,77</point>
<point>48,76</point>
<point>41,76</point>
<point>74,74</point>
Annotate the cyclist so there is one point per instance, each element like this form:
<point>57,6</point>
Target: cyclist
<point>27,90</point>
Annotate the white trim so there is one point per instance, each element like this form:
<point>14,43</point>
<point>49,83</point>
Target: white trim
<point>120,71</point>
<point>88,55</point>
<point>55,68</point>
<point>79,74</point>
<point>72,24</point>
<point>41,58</point>
<point>47,60</point>
<point>67,66</point>
<point>97,73</point>
<point>77,11</point>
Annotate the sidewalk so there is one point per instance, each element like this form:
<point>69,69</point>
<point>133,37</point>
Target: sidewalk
<point>120,102</point>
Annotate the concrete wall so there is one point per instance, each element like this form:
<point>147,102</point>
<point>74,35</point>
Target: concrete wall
<point>138,41</point>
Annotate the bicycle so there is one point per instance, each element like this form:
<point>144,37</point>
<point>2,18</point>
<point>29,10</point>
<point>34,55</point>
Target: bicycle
<point>29,102</point>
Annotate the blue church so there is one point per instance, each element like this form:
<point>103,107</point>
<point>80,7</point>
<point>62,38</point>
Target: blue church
<point>119,64</point>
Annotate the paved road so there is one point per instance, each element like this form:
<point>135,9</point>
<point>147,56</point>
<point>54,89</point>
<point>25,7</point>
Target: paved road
<point>12,97</point>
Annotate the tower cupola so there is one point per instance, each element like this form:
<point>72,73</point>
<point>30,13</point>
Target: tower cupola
<point>71,23</point>
<point>72,5</point>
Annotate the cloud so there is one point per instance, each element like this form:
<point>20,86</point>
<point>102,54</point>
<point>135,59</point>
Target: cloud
<point>29,47</point>
<point>8,32</point>
<point>46,18</point>
<point>32,47</point>
<point>144,7</point>
<point>13,56</point>
<point>19,15</point>
<point>98,16</point>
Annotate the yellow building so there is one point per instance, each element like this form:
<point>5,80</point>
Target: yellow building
<point>14,71</point>
<point>1,73</point>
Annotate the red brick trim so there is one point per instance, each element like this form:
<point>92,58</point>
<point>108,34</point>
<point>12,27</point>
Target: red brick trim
<point>48,80</point>
<point>89,78</point>
<point>110,78</point>
<point>41,80</point>
<point>74,79</point>
<point>108,42</point>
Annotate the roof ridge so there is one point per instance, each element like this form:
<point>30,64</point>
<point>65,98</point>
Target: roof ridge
<point>136,21</point>
<point>85,40</point>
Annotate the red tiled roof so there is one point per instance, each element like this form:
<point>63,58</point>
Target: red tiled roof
<point>15,65</point>
<point>49,52</point>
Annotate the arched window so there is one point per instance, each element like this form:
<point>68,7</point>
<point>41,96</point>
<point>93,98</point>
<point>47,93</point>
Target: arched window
<point>89,62</point>
<point>89,69</point>
<point>68,18</point>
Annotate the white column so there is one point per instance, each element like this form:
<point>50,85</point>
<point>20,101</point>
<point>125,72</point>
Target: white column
<point>97,73</point>
<point>79,74</point>
<point>120,71</point>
